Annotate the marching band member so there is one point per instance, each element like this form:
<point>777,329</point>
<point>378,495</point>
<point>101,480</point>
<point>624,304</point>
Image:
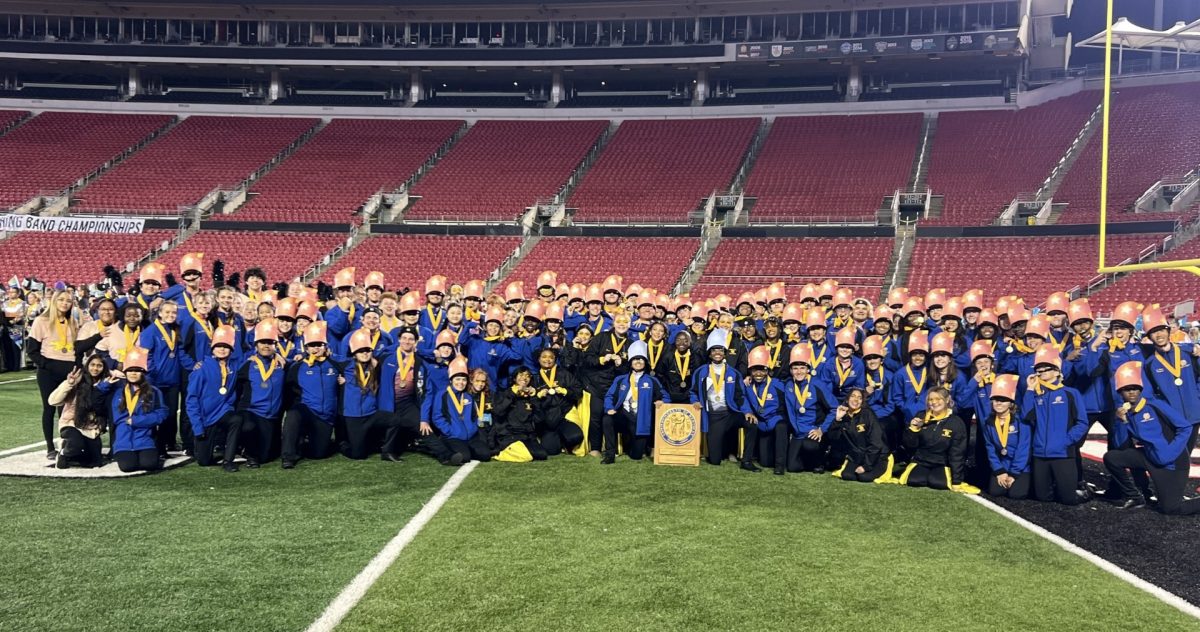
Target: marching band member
<point>677,369</point>
<point>165,368</point>
<point>137,409</point>
<point>84,414</point>
<point>455,418</point>
<point>717,387</point>
<point>210,402</point>
<point>1170,370</point>
<point>808,403</point>
<point>857,434</point>
<point>345,315</point>
<point>606,360</point>
<point>374,287</point>
<point>256,284</point>
<point>1059,419</point>
<point>51,346</point>
<point>945,371</point>
<point>99,336</point>
<point>1007,440</point>
<point>629,407</point>
<point>764,396</point>
<point>1162,449</point>
<point>777,348</point>
<point>845,371</point>
<point>877,389</point>
<point>937,439</point>
<point>313,386</point>
<point>556,393</point>
<point>910,385</point>
<point>191,268</point>
<point>260,385</point>
<point>515,416</point>
<point>490,350</point>
<point>952,323</point>
<point>360,398</point>
<point>403,385</point>
<point>433,316</point>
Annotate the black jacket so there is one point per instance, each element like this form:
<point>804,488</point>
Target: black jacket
<point>512,418</point>
<point>860,438</point>
<point>940,444</point>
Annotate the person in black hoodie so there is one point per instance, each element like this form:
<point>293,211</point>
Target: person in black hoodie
<point>677,367</point>
<point>515,416</point>
<point>938,441</point>
<point>557,392</point>
<point>858,435</point>
<point>604,361</point>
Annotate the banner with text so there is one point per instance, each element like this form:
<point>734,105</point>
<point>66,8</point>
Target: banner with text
<point>35,223</point>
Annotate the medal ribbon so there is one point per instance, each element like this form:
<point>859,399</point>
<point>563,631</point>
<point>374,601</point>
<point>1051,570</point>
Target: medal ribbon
<point>762,399</point>
<point>169,340</point>
<point>918,386</point>
<point>131,403</point>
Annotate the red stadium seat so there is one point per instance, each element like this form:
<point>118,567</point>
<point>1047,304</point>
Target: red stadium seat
<point>747,264</point>
<point>240,250</point>
<point>653,262</point>
<point>44,255</point>
<point>408,260</point>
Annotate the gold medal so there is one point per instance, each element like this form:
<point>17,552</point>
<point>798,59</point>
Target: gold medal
<point>222,390</point>
<point>1178,381</point>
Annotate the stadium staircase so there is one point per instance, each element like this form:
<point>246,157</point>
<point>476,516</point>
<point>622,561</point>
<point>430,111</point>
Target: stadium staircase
<point>901,260</point>
<point>577,176</point>
<point>507,266</point>
<point>1054,180</point>
<point>15,122</point>
<point>395,212</point>
<point>920,170</point>
<point>237,197</point>
<point>356,237</point>
<point>710,238</point>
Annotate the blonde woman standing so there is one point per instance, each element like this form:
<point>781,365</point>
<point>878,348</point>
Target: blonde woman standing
<point>51,346</point>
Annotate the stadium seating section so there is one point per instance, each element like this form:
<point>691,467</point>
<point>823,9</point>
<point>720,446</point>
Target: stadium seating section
<point>1034,266</point>
<point>981,160</point>
<point>1154,134</point>
<point>748,264</point>
<point>408,260</point>
<point>240,250</point>
<point>501,167</point>
<point>44,154</point>
<point>75,258</point>
<point>660,170</point>
<point>181,167</point>
<point>1166,287</point>
<point>653,262</point>
<point>345,163</point>
<point>820,167</point>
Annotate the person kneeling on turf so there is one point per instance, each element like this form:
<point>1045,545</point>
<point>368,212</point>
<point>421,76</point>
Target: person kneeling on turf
<point>858,435</point>
<point>1160,448</point>
<point>765,399</point>
<point>515,417</point>
<point>313,384</point>
<point>84,416</point>
<point>210,402</point>
<point>455,419</point>
<point>360,400</point>
<point>808,402</point>
<point>717,387</point>
<point>137,411</point>
<point>629,407</point>
<point>1008,441</point>
<point>937,440</point>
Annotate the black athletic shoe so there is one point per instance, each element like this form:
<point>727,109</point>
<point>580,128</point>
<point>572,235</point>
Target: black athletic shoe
<point>287,465</point>
<point>456,459</point>
<point>394,458</point>
<point>230,466</point>
<point>779,471</point>
<point>749,466</point>
<point>252,464</point>
<point>818,470</point>
<point>51,454</point>
<point>62,462</point>
<point>608,459</point>
<point>1130,503</point>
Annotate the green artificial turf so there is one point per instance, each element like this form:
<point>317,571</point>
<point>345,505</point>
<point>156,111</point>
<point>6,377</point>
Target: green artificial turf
<point>20,411</point>
<point>196,548</point>
<point>573,545</point>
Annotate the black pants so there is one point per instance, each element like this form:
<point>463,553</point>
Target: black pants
<point>871,473</point>
<point>722,429</point>
<point>626,426</point>
<point>407,416</point>
<point>81,449</point>
<point>556,433</point>
<point>596,423</point>
<point>49,376</point>
<point>306,434</point>
<point>258,436</point>
<point>1019,490</point>
<point>804,454</point>
<point>185,423</point>
<point>1169,484</point>
<point>935,476</point>
<point>164,435</point>
<point>139,460</point>
<point>773,446</point>
<point>360,429</point>
<point>227,431</point>
<point>473,448</point>
<point>1056,478</point>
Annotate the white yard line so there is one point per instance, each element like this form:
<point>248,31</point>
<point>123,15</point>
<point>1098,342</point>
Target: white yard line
<point>23,448</point>
<point>1167,597</point>
<point>354,591</point>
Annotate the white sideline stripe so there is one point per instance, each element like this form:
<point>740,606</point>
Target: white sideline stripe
<point>1167,597</point>
<point>354,591</point>
<point>24,379</point>
<point>21,449</point>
